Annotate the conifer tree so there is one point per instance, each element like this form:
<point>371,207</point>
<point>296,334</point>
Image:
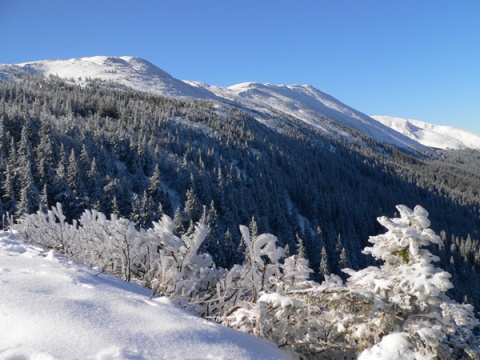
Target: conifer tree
<point>191,208</point>
<point>178,220</point>
<point>253,228</point>
<point>29,194</point>
<point>135,213</point>
<point>324,265</point>
<point>154,188</point>
<point>414,291</point>
<point>296,269</point>
<point>44,153</point>
<point>10,203</point>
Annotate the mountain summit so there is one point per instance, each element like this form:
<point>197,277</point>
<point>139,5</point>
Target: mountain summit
<point>133,72</point>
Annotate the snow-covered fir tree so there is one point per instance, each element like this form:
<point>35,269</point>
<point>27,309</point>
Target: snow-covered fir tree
<point>413,292</point>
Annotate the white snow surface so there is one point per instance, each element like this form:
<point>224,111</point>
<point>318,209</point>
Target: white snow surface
<point>269,102</point>
<point>431,135</point>
<point>52,308</point>
<point>392,347</point>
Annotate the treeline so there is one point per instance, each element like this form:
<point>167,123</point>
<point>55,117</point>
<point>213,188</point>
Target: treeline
<point>140,156</point>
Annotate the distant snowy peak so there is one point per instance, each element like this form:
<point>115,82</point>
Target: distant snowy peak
<point>431,135</point>
<point>133,72</point>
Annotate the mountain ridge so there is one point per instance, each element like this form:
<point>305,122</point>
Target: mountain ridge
<point>311,106</point>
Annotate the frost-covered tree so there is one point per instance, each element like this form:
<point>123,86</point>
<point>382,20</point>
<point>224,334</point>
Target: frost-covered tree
<point>191,208</point>
<point>413,291</point>
<point>296,269</point>
<point>324,268</point>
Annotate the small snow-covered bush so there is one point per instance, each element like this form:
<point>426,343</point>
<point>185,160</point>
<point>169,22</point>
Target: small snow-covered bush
<point>48,229</point>
<point>114,245</point>
<point>180,271</point>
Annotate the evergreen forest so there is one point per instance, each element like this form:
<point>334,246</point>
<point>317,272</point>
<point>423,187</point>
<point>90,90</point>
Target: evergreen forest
<point>117,151</point>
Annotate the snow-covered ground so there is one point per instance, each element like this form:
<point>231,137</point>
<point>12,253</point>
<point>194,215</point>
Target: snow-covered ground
<point>431,135</point>
<point>52,308</point>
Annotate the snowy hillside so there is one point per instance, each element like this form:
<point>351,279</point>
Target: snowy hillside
<point>435,136</point>
<point>303,102</point>
<point>52,308</point>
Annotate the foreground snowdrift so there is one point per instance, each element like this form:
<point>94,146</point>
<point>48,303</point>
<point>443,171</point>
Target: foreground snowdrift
<point>51,308</point>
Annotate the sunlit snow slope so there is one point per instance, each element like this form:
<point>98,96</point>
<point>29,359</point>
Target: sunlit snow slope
<point>51,308</point>
<point>312,106</point>
<point>130,71</point>
<point>435,136</point>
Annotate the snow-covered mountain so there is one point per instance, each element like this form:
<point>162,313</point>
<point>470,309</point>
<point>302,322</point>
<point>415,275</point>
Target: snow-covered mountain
<point>434,136</point>
<point>53,308</point>
<point>266,101</point>
<point>133,72</point>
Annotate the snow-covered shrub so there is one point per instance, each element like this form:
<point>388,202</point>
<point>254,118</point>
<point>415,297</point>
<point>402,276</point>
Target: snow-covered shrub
<point>245,283</point>
<point>275,300</point>
<point>310,322</point>
<point>400,307</point>
<point>114,245</point>
<point>414,291</point>
<point>180,271</point>
<point>170,264</point>
<point>48,229</point>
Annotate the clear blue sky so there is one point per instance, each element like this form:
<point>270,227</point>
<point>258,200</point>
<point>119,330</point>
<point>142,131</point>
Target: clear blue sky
<point>409,58</point>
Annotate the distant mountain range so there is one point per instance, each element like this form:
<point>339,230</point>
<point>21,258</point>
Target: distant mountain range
<point>266,102</point>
